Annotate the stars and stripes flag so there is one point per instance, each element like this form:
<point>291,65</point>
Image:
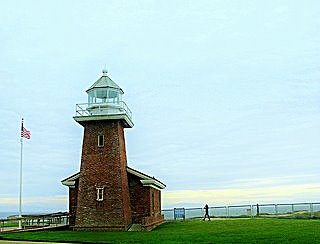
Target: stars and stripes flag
<point>24,132</point>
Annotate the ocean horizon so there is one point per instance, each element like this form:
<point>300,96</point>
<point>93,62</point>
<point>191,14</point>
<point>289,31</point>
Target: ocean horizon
<point>218,211</point>
<point>4,215</point>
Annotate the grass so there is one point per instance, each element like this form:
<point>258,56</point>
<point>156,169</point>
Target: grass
<point>216,231</point>
<point>294,215</point>
<point>10,224</point>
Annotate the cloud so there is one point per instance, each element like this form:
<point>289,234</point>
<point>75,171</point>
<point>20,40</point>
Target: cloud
<point>243,194</point>
<point>275,181</point>
<point>246,195</point>
<point>47,203</point>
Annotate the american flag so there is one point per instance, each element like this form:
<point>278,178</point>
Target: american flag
<point>24,132</point>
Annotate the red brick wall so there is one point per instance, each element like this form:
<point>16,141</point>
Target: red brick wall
<point>73,195</point>
<point>156,209</point>
<point>155,217</point>
<point>144,210</point>
<point>103,167</point>
<point>124,175</point>
<point>140,199</point>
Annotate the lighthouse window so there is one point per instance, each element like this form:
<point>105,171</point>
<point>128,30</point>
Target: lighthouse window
<point>113,96</point>
<point>100,140</point>
<point>91,97</point>
<point>101,95</point>
<point>99,193</point>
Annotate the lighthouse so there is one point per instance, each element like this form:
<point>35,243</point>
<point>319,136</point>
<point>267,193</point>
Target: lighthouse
<point>107,194</point>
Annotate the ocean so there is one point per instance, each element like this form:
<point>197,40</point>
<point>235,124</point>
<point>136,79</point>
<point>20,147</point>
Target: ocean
<point>4,215</point>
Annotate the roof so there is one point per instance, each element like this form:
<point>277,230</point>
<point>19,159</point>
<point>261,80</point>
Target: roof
<point>146,180</point>
<point>105,82</point>
<point>71,180</point>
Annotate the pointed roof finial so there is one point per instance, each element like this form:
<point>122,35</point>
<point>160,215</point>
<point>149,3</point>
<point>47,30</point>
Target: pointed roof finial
<point>105,82</point>
<point>104,71</point>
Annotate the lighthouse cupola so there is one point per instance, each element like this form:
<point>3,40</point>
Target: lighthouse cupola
<point>105,91</point>
<point>104,103</point>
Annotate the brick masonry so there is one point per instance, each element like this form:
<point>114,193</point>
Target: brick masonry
<point>145,201</point>
<point>103,167</point>
<point>125,199</point>
<point>73,200</point>
<point>140,199</point>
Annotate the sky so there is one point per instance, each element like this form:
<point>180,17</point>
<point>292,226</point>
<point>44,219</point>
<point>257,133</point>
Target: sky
<point>224,96</point>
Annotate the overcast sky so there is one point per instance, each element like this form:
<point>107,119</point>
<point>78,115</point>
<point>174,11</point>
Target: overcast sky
<point>224,95</point>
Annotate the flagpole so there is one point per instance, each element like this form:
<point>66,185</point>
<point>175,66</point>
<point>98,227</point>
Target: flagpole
<point>20,195</point>
<point>20,185</point>
<point>24,134</point>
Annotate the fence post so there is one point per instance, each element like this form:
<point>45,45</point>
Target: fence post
<point>251,210</point>
<point>292,208</point>
<point>276,209</point>
<point>311,210</point>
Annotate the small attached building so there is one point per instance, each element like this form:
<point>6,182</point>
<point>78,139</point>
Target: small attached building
<point>145,199</point>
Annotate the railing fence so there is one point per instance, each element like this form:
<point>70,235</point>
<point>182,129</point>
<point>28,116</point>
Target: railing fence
<point>86,109</point>
<point>280,210</point>
<point>35,221</point>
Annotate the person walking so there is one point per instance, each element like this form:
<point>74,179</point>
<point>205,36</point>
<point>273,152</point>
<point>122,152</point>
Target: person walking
<point>206,209</point>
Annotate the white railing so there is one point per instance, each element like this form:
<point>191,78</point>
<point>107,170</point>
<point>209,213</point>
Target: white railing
<point>278,210</point>
<point>105,108</point>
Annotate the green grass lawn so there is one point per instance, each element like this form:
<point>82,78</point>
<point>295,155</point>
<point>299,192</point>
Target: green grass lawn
<point>10,224</point>
<point>216,231</point>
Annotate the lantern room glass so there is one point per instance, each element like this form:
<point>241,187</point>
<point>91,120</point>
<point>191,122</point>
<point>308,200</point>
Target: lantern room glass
<point>104,95</point>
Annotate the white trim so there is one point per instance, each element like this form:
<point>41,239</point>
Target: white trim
<point>136,173</point>
<point>153,183</point>
<point>71,181</point>
<point>123,116</point>
<point>145,180</point>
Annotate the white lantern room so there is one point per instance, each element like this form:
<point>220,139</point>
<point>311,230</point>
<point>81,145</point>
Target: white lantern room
<point>104,90</point>
<point>104,102</point>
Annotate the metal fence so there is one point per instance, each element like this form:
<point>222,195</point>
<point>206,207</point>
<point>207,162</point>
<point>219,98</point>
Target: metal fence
<point>34,221</point>
<point>280,210</point>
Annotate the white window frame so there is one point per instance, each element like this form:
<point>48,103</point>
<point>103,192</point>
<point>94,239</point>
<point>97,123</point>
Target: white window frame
<point>99,145</point>
<point>100,194</point>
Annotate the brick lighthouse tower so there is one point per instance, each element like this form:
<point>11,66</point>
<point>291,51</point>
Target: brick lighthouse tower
<point>102,202</point>
<point>107,194</point>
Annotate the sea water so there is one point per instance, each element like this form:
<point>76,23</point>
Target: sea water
<point>4,215</point>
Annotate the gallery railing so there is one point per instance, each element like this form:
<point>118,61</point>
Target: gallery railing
<point>103,108</point>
